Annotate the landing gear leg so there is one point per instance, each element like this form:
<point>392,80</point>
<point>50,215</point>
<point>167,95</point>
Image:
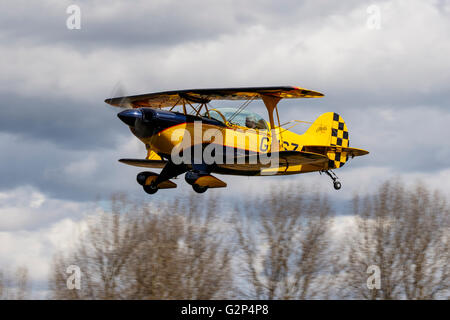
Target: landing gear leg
<point>169,171</point>
<point>336,184</point>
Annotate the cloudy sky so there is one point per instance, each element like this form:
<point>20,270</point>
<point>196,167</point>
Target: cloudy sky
<point>60,142</point>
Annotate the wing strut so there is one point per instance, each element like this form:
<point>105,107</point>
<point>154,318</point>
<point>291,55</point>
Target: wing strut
<point>271,104</point>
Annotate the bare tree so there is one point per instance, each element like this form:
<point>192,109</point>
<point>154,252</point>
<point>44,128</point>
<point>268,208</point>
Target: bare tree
<point>278,246</point>
<point>15,286</point>
<point>101,255</point>
<point>405,234</point>
<point>167,251</point>
<point>284,245</point>
<point>183,256</point>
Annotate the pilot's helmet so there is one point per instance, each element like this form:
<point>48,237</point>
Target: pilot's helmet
<point>250,121</point>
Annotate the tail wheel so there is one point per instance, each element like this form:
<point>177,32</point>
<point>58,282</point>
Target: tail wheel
<point>199,189</point>
<point>337,185</point>
<point>150,189</point>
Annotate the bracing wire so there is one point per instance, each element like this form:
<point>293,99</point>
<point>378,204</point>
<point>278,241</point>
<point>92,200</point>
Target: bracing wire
<point>241,108</point>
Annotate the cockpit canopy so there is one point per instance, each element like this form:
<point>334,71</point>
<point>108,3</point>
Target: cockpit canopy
<point>244,118</point>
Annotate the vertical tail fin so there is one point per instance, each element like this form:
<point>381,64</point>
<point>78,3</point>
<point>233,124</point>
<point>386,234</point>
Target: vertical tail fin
<point>330,130</point>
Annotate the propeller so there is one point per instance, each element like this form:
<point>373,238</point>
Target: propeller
<point>119,91</point>
<point>140,121</point>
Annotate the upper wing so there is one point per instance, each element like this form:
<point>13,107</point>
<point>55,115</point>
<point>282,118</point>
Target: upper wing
<point>173,98</point>
<point>281,159</point>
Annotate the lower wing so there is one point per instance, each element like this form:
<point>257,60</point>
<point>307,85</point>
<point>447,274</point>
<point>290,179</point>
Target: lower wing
<point>282,159</point>
<point>144,163</point>
<point>249,163</point>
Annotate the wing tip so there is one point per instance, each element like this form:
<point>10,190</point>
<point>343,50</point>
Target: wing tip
<point>110,101</point>
<point>309,93</point>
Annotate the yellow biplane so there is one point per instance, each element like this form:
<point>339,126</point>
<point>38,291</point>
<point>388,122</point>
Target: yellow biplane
<point>183,133</point>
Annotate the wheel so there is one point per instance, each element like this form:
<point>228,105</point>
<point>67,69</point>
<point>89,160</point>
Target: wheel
<point>337,185</point>
<point>199,189</point>
<point>150,189</point>
<point>141,177</point>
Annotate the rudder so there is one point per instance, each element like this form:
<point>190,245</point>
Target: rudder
<point>339,138</point>
<point>330,129</point>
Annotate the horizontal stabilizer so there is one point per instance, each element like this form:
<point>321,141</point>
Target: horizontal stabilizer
<point>352,152</point>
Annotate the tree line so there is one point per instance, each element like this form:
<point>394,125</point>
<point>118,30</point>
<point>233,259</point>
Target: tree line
<point>280,245</point>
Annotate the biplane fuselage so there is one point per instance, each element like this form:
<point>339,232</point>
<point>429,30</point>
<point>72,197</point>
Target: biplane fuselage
<point>233,139</point>
<point>238,140</point>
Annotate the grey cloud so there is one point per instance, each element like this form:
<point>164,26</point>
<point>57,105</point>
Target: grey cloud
<point>58,138</point>
<point>67,123</point>
<point>116,24</point>
<point>150,24</point>
<point>54,119</point>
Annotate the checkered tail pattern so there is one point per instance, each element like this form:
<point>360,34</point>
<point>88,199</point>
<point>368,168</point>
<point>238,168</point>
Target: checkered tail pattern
<point>339,139</point>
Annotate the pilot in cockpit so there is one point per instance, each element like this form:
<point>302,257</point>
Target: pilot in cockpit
<point>250,122</point>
